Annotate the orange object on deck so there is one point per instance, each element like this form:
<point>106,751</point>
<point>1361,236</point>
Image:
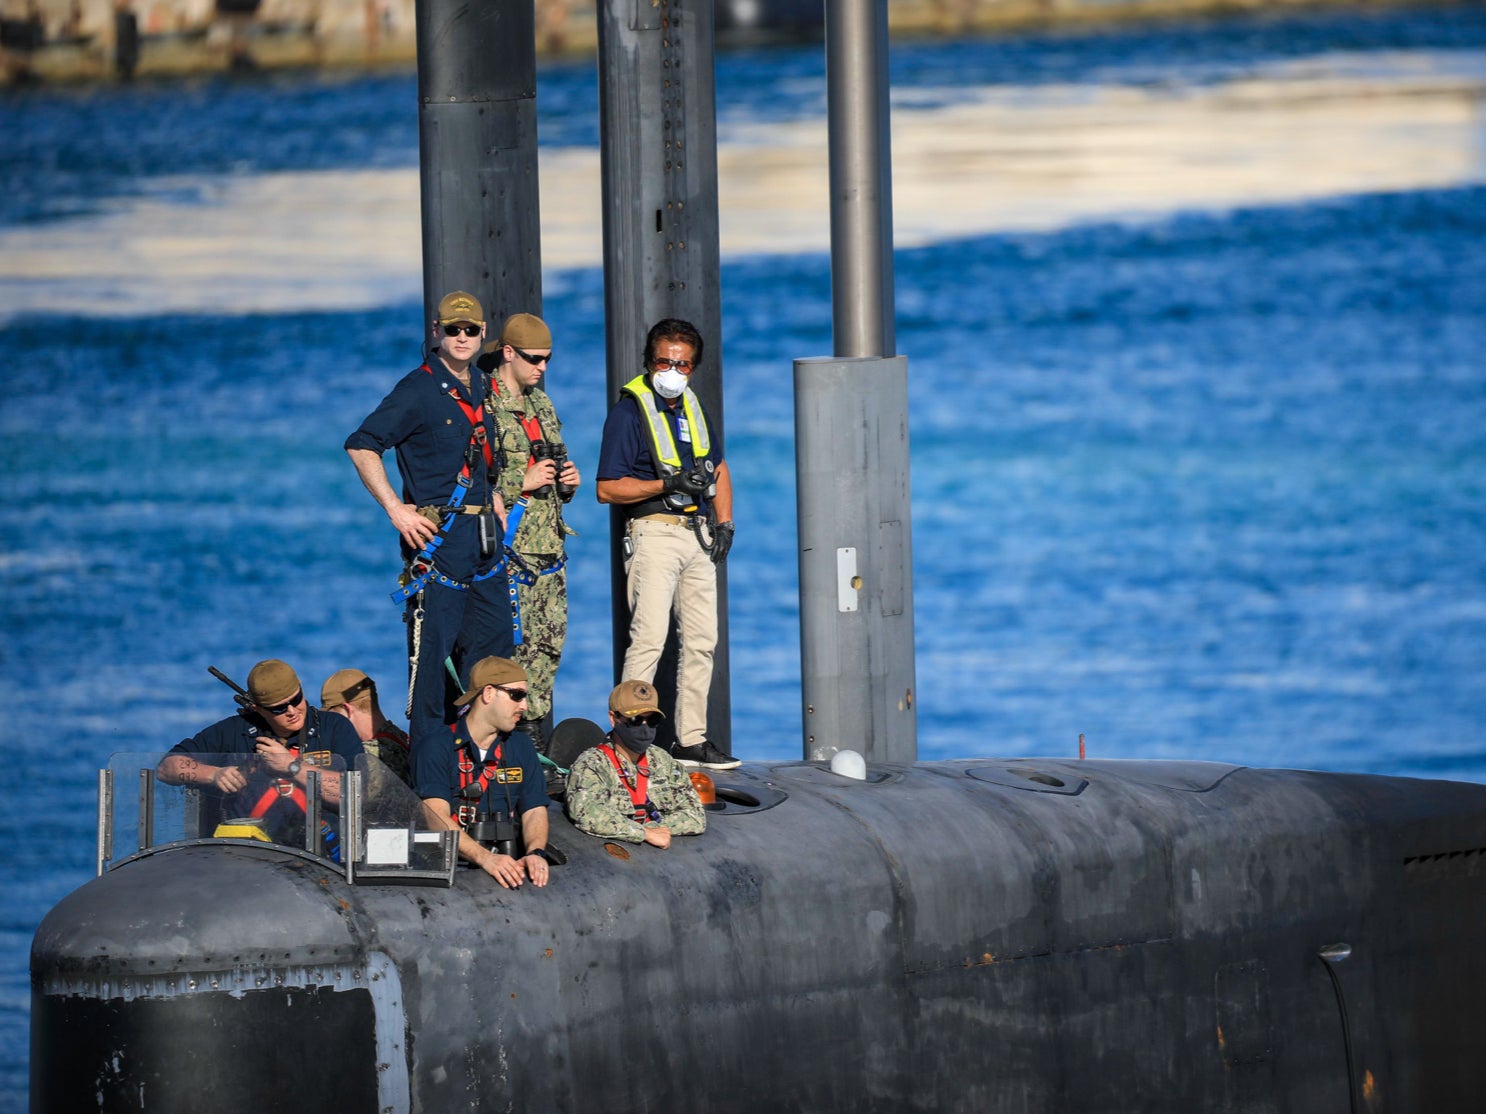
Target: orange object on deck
<point>704,787</point>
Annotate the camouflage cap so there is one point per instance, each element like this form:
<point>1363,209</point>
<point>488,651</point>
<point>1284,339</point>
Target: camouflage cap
<point>634,698</point>
<point>460,306</point>
<point>343,687</point>
<point>272,682</point>
<point>491,671</point>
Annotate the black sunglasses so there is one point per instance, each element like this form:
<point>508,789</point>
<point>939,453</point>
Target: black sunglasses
<point>661,364</point>
<point>467,330</point>
<point>532,358</point>
<point>518,695</point>
<point>645,719</point>
<point>279,709</point>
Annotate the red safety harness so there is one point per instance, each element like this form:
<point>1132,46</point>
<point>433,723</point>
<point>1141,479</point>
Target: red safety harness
<point>638,790</point>
<point>534,432</point>
<point>477,427</point>
<point>278,789</point>
<point>421,568</point>
<point>468,777</point>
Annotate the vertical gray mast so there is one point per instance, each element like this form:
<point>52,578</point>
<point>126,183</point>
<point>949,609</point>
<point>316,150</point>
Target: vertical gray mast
<point>861,179</point>
<point>851,434</point>
<point>658,118</point>
<point>477,131</point>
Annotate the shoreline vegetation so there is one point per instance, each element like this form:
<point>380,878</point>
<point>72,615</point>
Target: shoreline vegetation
<point>104,41</point>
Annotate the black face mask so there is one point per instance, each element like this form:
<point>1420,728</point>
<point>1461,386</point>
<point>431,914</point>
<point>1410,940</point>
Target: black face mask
<point>636,737</point>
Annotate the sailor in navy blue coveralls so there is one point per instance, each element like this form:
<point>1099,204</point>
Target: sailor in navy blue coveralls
<point>276,735</point>
<point>458,601</point>
<point>486,766</point>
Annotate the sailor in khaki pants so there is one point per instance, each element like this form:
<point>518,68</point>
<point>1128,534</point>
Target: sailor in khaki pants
<point>659,461</point>
<point>669,562</point>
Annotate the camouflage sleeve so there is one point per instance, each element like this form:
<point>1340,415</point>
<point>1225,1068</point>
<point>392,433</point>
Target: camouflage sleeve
<point>391,758</point>
<point>515,449</point>
<point>546,414</point>
<point>598,803</point>
<point>672,792</point>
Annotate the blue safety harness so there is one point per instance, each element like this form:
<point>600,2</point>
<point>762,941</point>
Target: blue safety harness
<point>421,567</point>
<point>521,572</point>
<point>518,571</point>
<point>421,570</point>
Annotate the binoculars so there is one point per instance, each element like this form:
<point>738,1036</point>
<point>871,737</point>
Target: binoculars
<point>557,453</point>
<point>495,832</point>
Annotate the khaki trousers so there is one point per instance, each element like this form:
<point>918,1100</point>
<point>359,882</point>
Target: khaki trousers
<point>669,573</point>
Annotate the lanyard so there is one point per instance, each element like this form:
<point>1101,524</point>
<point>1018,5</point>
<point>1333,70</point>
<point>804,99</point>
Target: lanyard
<point>477,426</point>
<point>638,796</point>
<point>467,770</point>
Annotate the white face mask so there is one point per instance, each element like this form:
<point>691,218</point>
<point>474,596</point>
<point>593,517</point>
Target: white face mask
<point>668,383</point>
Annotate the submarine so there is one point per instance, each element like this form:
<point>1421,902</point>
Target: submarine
<point>856,930</point>
<point>974,935</point>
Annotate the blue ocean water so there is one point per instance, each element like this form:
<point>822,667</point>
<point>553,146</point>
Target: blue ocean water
<point>1207,486</point>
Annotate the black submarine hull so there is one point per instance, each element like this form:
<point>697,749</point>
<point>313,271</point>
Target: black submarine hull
<point>994,935</point>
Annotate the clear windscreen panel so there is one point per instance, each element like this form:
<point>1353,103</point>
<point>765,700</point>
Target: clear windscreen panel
<point>398,841</point>
<point>157,798</point>
<point>367,822</point>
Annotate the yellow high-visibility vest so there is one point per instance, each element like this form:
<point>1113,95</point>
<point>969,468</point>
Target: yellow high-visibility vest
<point>662,444</point>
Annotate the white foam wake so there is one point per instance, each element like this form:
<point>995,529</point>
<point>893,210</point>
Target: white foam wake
<point>999,158</point>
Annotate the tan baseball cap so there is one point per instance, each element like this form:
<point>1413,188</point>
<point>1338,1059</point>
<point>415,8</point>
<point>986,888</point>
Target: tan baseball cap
<point>343,687</point>
<point>460,306</point>
<point>272,682</point>
<point>526,330</point>
<point>634,698</point>
<point>521,330</point>
<point>491,671</point>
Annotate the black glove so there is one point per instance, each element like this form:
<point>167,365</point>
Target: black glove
<point>691,483</point>
<point>722,541</point>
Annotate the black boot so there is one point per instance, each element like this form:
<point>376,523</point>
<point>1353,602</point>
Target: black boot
<point>532,729</point>
<point>557,785</point>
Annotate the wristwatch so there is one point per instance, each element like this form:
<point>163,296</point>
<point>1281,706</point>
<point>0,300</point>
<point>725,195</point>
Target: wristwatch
<point>294,767</point>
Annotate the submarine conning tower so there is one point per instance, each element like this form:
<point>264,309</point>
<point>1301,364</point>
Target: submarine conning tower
<point>1030,935</point>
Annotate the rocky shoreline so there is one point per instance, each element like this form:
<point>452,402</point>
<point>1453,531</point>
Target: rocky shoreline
<point>99,41</point>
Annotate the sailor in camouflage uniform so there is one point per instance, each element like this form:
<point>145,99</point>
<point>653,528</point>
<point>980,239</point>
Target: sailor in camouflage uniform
<point>351,693</point>
<point>627,787</point>
<point>544,480</point>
